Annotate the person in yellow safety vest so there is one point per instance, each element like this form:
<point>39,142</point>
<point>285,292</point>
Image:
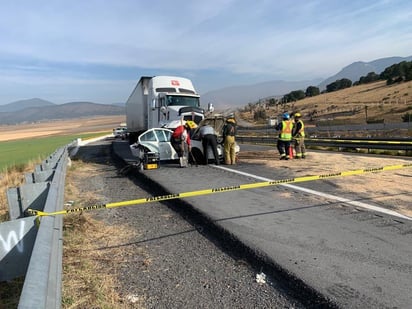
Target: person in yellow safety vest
<point>298,134</point>
<point>229,136</point>
<point>285,136</point>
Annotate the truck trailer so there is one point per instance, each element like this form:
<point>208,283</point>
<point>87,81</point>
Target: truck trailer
<point>161,102</point>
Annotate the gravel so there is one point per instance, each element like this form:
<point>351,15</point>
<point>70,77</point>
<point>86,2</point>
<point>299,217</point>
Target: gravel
<point>171,262</point>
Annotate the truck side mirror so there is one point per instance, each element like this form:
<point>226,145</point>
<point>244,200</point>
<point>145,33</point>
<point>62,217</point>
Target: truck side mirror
<point>153,104</point>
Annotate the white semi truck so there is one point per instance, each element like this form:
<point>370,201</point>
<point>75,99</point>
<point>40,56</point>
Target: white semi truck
<point>161,101</point>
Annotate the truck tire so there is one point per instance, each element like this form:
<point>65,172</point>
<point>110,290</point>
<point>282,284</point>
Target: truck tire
<point>198,156</point>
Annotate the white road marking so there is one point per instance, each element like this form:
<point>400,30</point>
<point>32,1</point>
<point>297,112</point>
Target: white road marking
<point>326,195</point>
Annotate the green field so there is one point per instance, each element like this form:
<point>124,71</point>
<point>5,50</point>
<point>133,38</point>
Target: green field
<point>20,152</point>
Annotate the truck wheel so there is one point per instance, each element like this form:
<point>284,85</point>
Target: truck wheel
<point>132,138</point>
<point>197,154</point>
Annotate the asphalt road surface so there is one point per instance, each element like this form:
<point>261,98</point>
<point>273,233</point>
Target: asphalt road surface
<point>328,250</point>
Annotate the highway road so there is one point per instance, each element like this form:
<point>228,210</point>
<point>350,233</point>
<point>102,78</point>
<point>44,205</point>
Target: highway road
<point>315,236</point>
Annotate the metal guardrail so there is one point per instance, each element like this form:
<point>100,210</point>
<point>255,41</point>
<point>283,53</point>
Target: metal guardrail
<point>33,248</point>
<point>393,144</point>
<point>42,285</point>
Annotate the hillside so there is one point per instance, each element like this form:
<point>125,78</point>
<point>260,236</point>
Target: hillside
<point>375,102</point>
<point>240,95</point>
<point>237,96</point>
<point>357,69</point>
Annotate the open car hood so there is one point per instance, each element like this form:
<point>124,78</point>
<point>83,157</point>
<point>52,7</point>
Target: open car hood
<point>216,123</point>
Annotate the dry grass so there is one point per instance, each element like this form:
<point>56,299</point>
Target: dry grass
<point>13,177</point>
<point>91,254</point>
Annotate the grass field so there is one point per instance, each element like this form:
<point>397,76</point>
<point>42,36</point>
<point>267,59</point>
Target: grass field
<point>18,152</point>
<point>23,143</point>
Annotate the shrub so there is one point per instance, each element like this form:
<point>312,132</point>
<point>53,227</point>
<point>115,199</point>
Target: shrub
<point>407,117</point>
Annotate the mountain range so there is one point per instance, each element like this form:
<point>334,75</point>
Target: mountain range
<point>36,109</point>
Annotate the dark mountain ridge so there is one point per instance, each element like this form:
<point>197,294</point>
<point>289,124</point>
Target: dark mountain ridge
<point>64,111</point>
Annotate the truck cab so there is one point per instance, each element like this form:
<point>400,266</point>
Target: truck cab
<point>161,102</point>
<point>173,99</point>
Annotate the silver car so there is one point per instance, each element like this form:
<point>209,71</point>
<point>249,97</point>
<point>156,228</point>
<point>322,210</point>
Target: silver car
<point>155,140</point>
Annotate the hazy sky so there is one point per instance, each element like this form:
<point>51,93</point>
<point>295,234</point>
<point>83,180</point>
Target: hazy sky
<point>96,50</point>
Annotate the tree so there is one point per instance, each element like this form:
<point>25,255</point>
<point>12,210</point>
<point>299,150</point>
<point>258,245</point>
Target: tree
<point>312,91</point>
<point>259,114</point>
<point>272,102</point>
<point>397,72</point>
<point>369,78</point>
<point>407,117</point>
<point>339,84</point>
<point>294,96</point>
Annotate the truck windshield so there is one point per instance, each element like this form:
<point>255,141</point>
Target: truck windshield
<point>182,101</point>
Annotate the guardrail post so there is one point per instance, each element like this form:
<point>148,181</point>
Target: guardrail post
<point>27,196</point>
<point>39,176</point>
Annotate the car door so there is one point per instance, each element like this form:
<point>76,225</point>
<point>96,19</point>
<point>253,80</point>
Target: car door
<point>166,150</point>
<point>148,139</point>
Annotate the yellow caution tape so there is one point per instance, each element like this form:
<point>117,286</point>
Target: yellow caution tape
<point>221,189</point>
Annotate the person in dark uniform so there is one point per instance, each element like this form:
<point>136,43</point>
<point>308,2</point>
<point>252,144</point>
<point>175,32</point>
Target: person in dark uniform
<point>209,139</point>
<point>285,136</point>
